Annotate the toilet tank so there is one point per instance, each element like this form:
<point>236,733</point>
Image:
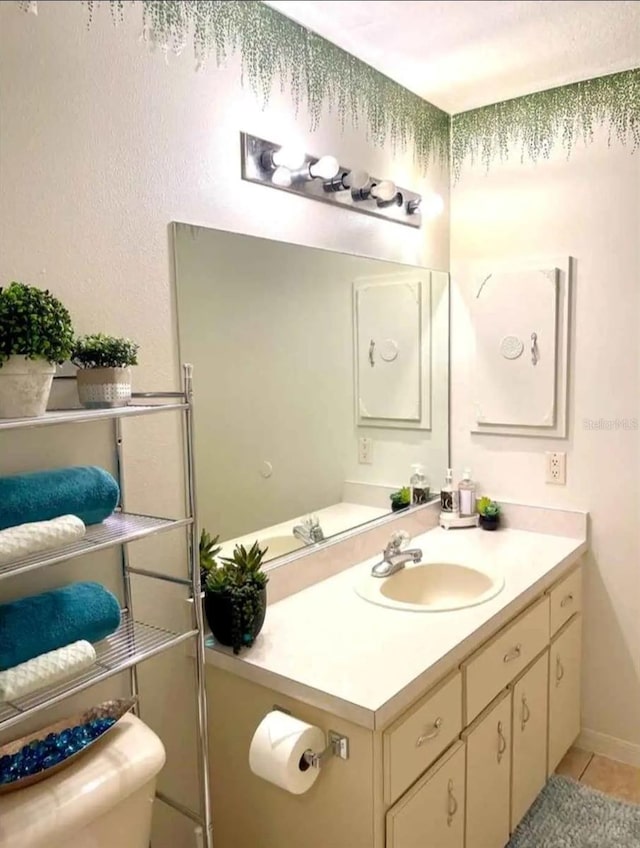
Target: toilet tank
<point>103,800</point>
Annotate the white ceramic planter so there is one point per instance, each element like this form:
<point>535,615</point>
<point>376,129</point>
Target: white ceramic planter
<point>25,385</point>
<point>104,388</point>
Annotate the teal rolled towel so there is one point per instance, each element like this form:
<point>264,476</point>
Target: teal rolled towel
<point>89,492</point>
<point>40,623</point>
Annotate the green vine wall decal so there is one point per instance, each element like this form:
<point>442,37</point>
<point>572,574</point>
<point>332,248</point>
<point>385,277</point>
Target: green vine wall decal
<point>275,48</point>
<point>536,123</point>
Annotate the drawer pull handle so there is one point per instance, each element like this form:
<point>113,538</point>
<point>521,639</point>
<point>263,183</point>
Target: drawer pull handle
<point>437,724</point>
<point>526,712</point>
<point>453,804</point>
<point>568,599</point>
<point>559,671</point>
<point>514,653</point>
<point>502,742</point>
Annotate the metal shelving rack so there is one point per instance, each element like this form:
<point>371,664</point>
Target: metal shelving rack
<point>134,641</point>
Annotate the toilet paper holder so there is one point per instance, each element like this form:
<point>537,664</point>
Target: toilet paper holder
<point>338,747</point>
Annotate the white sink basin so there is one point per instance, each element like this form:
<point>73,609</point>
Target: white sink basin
<point>431,587</point>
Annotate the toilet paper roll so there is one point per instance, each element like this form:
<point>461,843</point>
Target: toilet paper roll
<point>276,751</point>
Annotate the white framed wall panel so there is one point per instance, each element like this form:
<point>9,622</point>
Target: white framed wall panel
<point>520,311</point>
<point>392,351</point>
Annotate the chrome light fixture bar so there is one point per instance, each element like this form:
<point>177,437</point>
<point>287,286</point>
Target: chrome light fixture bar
<point>323,178</point>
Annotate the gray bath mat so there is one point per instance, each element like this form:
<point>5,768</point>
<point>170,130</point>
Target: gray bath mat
<point>567,814</point>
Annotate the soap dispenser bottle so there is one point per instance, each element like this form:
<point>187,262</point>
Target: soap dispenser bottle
<point>419,485</point>
<point>467,494</point>
<point>448,499</point>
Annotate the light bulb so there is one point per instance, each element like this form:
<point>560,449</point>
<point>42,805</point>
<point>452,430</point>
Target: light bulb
<point>281,177</point>
<point>384,190</point>
<point>355,179</point>
<point>325,168</point>
<point>433,205</point>
<point>289,156</point>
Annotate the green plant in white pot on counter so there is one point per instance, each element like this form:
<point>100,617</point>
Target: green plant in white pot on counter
<point>104,370</point>
<point>35,335</point>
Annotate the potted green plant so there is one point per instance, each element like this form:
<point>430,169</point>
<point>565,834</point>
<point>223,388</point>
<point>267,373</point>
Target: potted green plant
<point>35,334</point>
<point>400,499</point>
<point>489,513</point>
<point>104,375</point>
<point>235,600</point>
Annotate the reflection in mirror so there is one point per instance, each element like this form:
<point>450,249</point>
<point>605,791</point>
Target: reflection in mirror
<point>320,379</point>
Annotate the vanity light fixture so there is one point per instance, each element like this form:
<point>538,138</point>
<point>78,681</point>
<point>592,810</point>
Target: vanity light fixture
<point>326,168</point>
<point>287,168</point>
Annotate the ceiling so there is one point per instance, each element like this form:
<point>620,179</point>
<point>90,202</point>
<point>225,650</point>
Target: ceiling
<point>461,54</point>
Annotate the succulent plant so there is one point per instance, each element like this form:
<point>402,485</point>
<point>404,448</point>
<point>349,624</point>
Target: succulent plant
<point>402,497</point>
<point>488,508</point>
<point>241,579</point>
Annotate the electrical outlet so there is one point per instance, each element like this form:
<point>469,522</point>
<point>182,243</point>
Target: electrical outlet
<point>365,451</point>
<point>556,467</point>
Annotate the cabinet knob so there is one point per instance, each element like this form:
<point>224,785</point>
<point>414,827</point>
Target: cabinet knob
<point>568,599</point>
<point>502,742</point>
<point>514,653</point>
<point>431,734</point>
<point>559,670</point>
<point>452,804</point>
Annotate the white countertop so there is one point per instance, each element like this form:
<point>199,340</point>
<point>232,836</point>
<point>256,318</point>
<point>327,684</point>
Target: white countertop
<point>328,647</point>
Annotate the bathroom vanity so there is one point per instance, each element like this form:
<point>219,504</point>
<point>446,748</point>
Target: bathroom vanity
<point>454,719</point>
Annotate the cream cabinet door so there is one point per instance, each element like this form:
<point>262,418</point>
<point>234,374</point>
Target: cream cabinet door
<point>530,723</point>
<point>431,813</point>
<point>564,690</point>
<point>489,776</point>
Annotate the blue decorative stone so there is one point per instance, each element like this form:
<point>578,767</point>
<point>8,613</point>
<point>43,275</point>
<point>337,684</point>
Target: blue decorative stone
<point>42,754</point>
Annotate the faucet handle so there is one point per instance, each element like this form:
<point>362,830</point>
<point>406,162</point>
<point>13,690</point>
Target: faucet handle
<point>399,540</point>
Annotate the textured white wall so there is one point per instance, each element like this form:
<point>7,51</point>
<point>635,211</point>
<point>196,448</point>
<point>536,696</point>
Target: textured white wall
<point>588,208</point>
<point>103,144</point>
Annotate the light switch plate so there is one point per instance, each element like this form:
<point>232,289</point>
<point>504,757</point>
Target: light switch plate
<point>556,467</point>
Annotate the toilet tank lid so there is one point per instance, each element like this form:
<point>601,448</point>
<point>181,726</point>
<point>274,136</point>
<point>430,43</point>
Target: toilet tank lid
<point>130,756</point>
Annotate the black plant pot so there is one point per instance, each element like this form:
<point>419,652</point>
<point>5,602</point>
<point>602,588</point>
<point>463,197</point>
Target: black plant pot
<point>396,507</point>
<point>489,522</point>
<point>218,608</point>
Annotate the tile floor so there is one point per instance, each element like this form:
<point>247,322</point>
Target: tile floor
<point>617,779</point>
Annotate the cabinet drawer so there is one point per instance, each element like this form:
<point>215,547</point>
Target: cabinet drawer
<point>496,664</point>
<point>566,599</point>
<point>418,738</point>
<point>432,812</point>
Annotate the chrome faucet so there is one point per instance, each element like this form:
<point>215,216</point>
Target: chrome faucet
<point>309,531</point>
<point>394,558</point>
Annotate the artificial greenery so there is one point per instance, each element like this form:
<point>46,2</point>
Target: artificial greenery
<point>34,324</point>
<point>102,351</point>
<point>240,578</point>
<point>274,48</point>
<point>401,498</point>
<point>209,550</point>
<point>488,508</point>
<point>534,124</point>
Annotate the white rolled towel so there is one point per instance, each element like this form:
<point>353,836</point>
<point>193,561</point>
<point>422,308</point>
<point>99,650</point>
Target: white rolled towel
<point>38,536</point>
<point>46,670</point>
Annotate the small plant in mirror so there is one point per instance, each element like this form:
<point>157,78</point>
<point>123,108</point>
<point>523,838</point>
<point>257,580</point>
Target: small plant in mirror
<point>489,513</point>
<point>235,593</point>
<point>400,499</point>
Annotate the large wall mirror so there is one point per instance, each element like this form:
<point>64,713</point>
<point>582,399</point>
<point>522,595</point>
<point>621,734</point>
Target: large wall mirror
<point>320,379</point>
